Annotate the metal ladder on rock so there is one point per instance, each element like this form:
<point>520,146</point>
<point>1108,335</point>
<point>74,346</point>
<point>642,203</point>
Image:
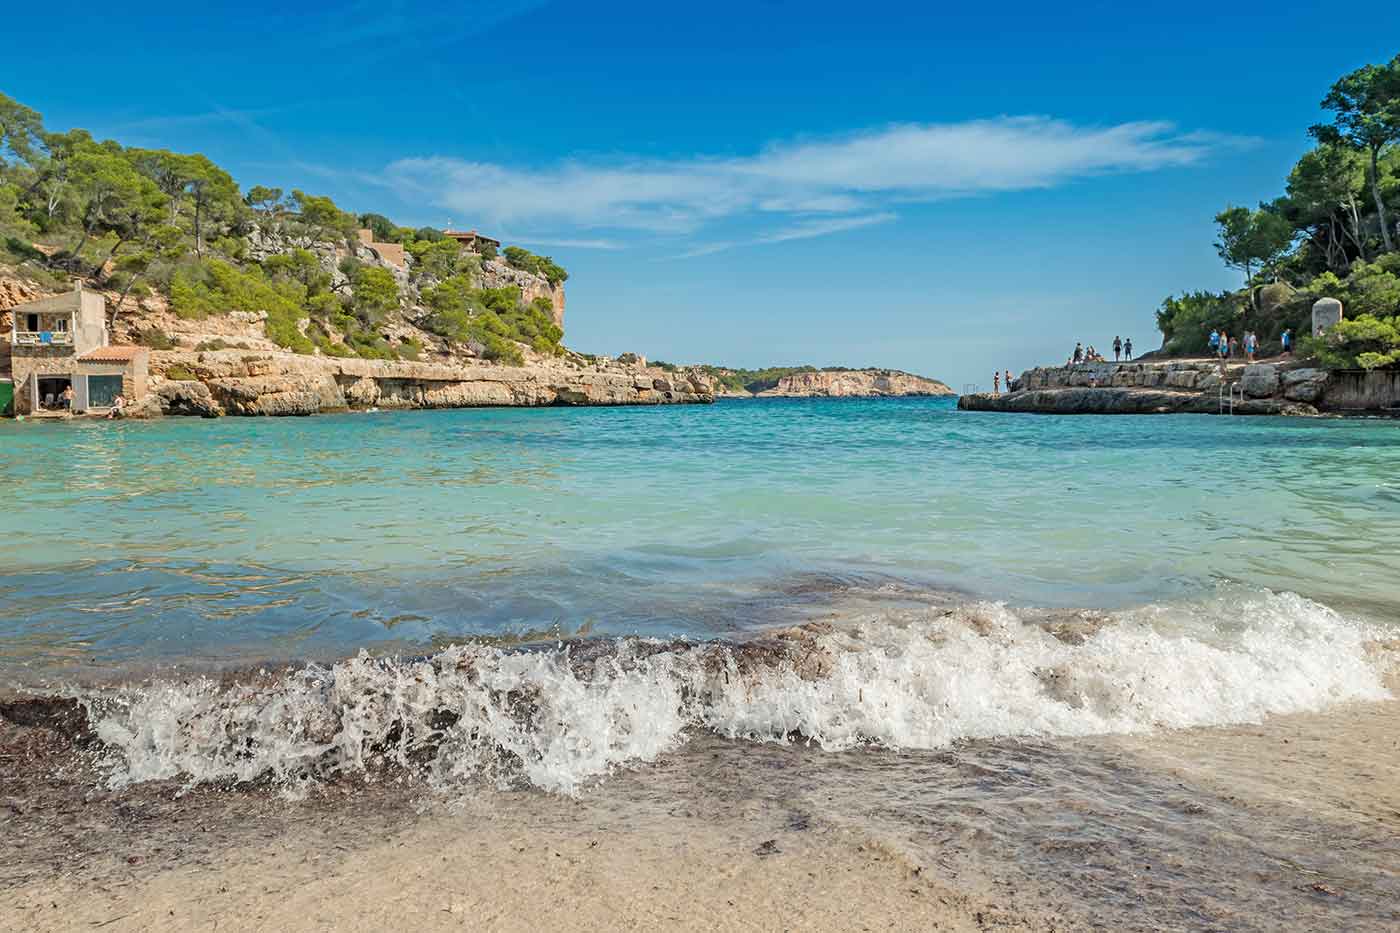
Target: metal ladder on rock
<point>1221,396</point>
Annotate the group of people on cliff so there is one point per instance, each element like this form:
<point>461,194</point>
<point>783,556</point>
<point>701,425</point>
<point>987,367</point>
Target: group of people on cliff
<point>1223,346</point>
<point>1122,349</point>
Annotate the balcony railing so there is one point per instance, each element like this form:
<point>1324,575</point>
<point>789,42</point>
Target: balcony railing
<point>31,338</point>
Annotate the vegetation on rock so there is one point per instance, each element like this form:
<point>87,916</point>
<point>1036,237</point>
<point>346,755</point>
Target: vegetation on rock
<point>142,221</point>
<point>1332,234</point>
<point>540,265</point>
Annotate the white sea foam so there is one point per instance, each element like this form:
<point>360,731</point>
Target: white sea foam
<point>917,680</point>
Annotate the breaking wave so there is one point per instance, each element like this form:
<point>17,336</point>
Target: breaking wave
<point>915,679</point>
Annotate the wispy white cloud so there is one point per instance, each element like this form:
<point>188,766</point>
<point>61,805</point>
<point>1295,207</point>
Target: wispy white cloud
<point>811,228</point>
<point>567,242</point>
<point>215,115</point>
<point>799,231</point>
<point>376,29</point>
<point>860,175</point>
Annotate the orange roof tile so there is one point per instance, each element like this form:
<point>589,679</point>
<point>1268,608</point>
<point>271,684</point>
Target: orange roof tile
<point>112,354</point>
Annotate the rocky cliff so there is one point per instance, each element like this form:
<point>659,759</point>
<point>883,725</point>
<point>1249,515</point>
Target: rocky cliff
<point>236,382</point>
<point>855,383</point>
<point>1165,387</point>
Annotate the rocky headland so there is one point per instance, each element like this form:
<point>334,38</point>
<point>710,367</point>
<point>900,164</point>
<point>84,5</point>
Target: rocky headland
<point>228,364</point>
<point>1194,386</point>
<point>846,383</point>
<point>235,382</point>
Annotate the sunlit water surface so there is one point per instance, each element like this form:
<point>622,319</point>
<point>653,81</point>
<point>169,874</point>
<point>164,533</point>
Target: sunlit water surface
<point>238,539</point>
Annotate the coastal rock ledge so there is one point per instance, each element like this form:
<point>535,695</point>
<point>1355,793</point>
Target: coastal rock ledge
<point>236,382</point>
<point>855,383</point>
<point>1193,386</point>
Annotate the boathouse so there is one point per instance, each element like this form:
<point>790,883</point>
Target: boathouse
<point>62,359</point>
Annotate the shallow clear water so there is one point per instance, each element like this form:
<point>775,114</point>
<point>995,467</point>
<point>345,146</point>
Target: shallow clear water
<point>950,703</point>
<point>223,541</point>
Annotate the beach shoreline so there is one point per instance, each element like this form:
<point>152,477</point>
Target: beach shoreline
<point>720,836</point>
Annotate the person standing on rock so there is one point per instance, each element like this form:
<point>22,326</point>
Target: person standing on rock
<point>1214,342</point>
<point>1128,349</point>
<point>1008,380</point>
<point>1286,338</point>
<point>1078,353</point>
<point>1117,348</point>
<point>996,382</point>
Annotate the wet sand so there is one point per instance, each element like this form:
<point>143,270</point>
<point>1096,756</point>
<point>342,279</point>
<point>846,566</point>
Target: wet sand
<point>1289,824</point>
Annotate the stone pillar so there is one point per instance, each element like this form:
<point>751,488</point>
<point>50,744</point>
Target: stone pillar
<point>1326,313</point>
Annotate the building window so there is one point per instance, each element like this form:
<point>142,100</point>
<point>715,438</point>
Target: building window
<point>32,323</point>
<point>103,390</point>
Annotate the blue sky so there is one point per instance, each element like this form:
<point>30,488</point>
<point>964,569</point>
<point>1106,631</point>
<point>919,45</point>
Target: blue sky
<point>944,191</point>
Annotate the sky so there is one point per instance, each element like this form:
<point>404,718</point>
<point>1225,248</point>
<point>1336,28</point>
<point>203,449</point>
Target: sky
<point>947,191</point>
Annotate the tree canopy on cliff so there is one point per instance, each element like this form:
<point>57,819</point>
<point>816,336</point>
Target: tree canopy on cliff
<point>137,220</point>
<point>1332,233</point>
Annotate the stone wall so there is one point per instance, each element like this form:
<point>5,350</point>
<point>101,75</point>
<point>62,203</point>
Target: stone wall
<point>44,361</point>
<point>1359,390</point>
<point>135,376</point>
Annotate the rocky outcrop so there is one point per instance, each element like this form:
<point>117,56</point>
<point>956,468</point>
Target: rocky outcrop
<point>1199,386</point>
<point>855,383</point>
<point>185,397</point>
<point>1121,401</point>
<point>496,273</point>
<point>240,383</point>
<point>1304,385</point>
<point>1259,381</point>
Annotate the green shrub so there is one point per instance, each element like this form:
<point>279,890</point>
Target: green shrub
<point>442,258</point>
<point>491,320</point>
<point>753,380</point>
<point>1369,336</point>
<point>180,373</point>
<point>1186,321</point>
<point>376,293</point>
<point>22,250</point>
<point>213,287</point>
<point>540,265</point>
<point>155,339</point>
<point>383,229</point>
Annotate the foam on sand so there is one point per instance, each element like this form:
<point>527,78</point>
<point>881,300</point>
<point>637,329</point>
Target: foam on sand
<point>915,679</point>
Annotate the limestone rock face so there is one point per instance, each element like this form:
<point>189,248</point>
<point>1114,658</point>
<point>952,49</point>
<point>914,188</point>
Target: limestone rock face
<point>148,407</point>
<point>1120,401</point>
<point>1152,387</point>
<point>497,273</point>
<point>855,383</point>
<point>1304,385</point>
<point>1260,380</point>
<point>186,397</point>
<point>281,384</point>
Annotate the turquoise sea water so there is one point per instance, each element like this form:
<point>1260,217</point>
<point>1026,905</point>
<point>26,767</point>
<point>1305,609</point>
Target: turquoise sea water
<point>244,539</point>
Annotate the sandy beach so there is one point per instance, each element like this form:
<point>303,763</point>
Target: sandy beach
<point>1218,828</point>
